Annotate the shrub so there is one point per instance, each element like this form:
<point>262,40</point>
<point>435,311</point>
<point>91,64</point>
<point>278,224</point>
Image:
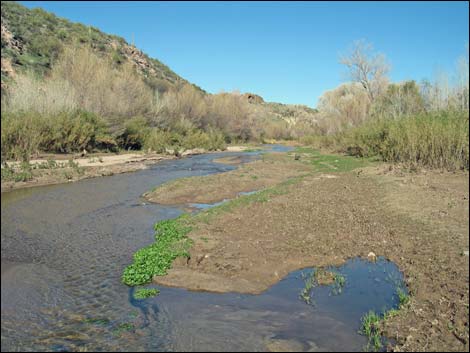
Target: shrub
<point>21,135</point>
<point>436,140</point>
<point>136,132</point>
<point>26,133</point>
<point>67,133</point>
<point>158,140</point>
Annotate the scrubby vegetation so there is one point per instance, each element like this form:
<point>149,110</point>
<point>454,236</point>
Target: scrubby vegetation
<point>58,76</point>
<point>421,125</point>
<point>68,87</point>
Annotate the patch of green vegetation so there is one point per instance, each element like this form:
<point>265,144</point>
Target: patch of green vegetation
<point>22,173</point>
<point>372,322</point>
<point>330,162</point>
<point>391,313</point>
<point>144,293</point>
<point>403,297</point>
<point>434,139</point>
<point>49,164</point>
<point>253,150</point>
<point>320,277</point>
<point>154,260</point>
<point>370,327</point>
<point>123,327</point>
<point>310,282</point>
<point>75,167</point>
<point>340,282</point>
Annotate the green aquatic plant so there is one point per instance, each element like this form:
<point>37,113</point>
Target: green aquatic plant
<point>310,282</point>
<point>321,277</point>
<point>340,282</point>
<point>155,260</point>
<point>403,297</point>
<point>123,327</point>
<point>144,293</point>
<point>371,322</point>
<point>370,327</point>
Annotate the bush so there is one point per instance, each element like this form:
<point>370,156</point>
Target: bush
<point>136,132</point>
<point>436,140</point>
<point>21,135</point>
<point>67,133</point>
<point>26,133</point>
<point>158,140</point>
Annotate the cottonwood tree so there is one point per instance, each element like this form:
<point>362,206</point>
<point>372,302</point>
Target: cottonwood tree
<point>368,68</point>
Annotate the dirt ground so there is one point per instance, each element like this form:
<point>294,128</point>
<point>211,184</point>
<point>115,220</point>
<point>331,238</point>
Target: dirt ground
<point>273,169</point>
<point>419,221</point>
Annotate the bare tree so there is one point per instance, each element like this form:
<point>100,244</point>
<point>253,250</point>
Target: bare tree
<point>366,67</point>
<point>462,88</point>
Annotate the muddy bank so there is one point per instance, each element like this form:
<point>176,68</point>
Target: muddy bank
<point>273,169</point>
<point>91,166</point>
<point>418,221</point>
<point>82,168</point>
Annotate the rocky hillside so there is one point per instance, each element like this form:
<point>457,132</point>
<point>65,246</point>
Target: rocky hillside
<point>33,38</point>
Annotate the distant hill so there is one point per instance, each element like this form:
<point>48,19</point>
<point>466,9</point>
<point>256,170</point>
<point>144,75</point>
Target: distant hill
<point>33,38</point>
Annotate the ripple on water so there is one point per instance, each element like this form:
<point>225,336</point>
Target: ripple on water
<point>63,251</point>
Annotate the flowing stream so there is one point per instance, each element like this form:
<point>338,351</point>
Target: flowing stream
<point>63,250</point>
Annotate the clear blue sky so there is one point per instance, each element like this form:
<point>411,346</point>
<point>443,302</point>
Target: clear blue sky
<point>285,51</point>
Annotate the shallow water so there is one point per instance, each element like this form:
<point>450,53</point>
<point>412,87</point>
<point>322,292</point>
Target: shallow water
<point>63,251</point>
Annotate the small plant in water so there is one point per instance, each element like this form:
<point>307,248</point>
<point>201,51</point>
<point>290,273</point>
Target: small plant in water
<point>403,298</point>
<point>371,329</point>
<point>340,282</point>
<point>154,260</point>
<point>126,326</point>
<point>144,293</point>
<point>321,277</point>
<point>305,293</point>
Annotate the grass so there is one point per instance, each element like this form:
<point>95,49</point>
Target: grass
<point>403,297</point>
<point>23,173</point>
<point>310,282</point>
<point>144,293</point>
<point>340,282</point>
<point>330,162</point>
<point>75,167</point>
<point>371,322</point>
<point>370,327</point>
<point>155,260</point>
<point>321,277</point>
